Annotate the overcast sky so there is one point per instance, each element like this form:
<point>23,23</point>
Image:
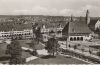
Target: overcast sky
<point>50,7</point>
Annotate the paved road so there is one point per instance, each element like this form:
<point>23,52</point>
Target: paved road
<point>56,60</point>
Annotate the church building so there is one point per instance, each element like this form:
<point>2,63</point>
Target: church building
<point>77,30</point>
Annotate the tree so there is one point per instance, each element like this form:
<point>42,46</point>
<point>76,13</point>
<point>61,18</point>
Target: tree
<point>36,32</point>
<point>36,37</point>
<point>33,46</point>
<point>14,49</point>
<point>34,27</point>
<point>52,46</point>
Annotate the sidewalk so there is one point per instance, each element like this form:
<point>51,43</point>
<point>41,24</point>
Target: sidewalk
<point>31,58</point>
<point>42,52</point>
<point>87,54</point>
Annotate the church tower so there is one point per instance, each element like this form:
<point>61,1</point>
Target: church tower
<point>87,17</point>
<point>71,18</point>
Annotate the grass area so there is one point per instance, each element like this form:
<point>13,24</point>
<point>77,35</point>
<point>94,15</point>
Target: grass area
<point>4,58</point>
<point>26,54</point>
<point>56,60</point>
<point>28,44</point>
<point>25,43</point>
<point>3,49</point>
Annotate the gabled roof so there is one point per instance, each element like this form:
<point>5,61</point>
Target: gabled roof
<point>79,27</point>
<point>65,30</point>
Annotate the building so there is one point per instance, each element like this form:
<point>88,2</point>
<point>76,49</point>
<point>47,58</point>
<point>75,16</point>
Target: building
<point>44,29</point>
<point>93,24</point>
<point>77,30</point>
<point>18,31</point>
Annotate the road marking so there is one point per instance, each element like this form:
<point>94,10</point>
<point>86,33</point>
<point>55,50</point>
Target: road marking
<point>77,58</point>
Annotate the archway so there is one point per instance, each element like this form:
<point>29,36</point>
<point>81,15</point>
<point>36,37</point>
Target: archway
<point>81,38</point>
<point>78,38</point>
<point>71,39</point>
<point>75,39</point>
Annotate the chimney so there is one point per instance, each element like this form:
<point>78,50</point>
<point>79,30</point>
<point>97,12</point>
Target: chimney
<point>87,17</point>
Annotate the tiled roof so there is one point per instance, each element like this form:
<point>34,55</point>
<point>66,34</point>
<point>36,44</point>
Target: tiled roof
<point>79,27</point>
<point>65,29</point>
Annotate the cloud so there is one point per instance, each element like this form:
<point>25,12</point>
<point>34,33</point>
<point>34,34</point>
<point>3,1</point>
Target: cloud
<point>38,10</point>
<point>50,7</point>
<point>66,12</point>
<point>90,7</point>
<point>94,10</point>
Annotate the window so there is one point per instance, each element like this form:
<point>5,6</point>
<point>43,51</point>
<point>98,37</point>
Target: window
<point>71,39</point>
<point>78,38</point>
<point>74,38</point>
<point>81,38</point>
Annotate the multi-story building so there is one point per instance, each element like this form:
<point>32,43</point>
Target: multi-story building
<point>22,31</point>
<point>25,34</point>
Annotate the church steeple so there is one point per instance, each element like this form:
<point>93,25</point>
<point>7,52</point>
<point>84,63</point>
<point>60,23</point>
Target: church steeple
<point>87,17</point>
<point>71,18</point>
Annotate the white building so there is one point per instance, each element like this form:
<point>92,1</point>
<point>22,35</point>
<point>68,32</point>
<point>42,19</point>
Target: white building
<point>24,34</point>
<point>44,29</point>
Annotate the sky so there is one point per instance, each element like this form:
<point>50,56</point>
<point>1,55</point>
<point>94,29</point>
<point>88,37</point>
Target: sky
<point>50,7</point>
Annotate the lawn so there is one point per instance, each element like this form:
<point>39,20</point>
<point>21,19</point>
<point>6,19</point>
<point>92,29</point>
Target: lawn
<point>28,44</point>
<point>24,43</point>
<point>56,60</point>
<point>3,57</point>
<point>3,49</point>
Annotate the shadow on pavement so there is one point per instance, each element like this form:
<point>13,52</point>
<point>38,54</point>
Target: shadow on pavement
<point>48,56</point>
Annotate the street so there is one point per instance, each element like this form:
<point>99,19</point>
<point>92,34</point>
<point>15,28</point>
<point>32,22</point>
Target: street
<point>59,59</point>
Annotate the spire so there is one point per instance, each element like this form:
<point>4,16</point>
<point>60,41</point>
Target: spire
<point>71,18</point>
<point>87,17</point>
